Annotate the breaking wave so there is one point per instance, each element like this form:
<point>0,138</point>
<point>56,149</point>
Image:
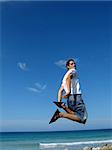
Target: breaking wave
<point>53,145</point>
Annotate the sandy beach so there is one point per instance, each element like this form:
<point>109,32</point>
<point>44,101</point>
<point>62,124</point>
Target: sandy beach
<point>104,147</point>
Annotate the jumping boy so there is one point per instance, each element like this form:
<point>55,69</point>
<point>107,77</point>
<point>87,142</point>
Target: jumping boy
<point>76,110</point>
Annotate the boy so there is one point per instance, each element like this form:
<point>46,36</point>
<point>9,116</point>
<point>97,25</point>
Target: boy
<point>76,110</point>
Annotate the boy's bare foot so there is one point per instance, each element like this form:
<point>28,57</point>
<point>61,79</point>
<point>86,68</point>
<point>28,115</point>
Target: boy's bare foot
<point>55,116</point>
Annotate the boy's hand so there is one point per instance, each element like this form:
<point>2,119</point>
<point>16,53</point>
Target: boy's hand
<point>66,95</point>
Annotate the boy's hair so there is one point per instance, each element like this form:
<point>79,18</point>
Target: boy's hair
<point>68,61</point>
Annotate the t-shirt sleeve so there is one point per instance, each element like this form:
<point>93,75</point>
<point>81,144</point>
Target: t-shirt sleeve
<point>73,74</point>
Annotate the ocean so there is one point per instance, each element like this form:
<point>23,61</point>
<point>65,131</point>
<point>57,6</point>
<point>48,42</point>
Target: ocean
<point>60,140</point>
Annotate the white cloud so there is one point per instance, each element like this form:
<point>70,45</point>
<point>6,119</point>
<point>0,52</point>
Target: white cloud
<point>33,89</point>
<point>38,88</point>
<point>61,64</point>
<point>22,66</point>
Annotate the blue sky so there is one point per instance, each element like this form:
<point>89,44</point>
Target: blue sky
<point>37,38</point>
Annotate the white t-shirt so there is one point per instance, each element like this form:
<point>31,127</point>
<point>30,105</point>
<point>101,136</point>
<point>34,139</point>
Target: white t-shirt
<point>75,85</point>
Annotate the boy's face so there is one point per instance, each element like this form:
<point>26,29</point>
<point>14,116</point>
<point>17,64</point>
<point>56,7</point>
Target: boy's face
<point>71,65</point>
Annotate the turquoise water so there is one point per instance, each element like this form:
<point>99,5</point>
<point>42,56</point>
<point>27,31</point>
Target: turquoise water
<point>54,140</point>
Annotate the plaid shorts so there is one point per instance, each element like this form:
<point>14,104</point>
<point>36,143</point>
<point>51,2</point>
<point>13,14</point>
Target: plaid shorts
<point>76,104</point>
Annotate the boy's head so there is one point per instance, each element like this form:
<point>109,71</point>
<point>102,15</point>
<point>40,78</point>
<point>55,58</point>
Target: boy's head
<point>70,64</point>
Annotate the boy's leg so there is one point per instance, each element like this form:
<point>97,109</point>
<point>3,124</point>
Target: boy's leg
<point>70,116</point>
<point>67,109</point>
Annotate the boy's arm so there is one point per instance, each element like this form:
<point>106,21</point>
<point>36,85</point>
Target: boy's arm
<point>60,93</point>
<point>68,83</point>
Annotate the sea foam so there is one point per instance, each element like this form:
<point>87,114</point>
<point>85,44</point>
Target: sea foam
<point>53,145</point>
